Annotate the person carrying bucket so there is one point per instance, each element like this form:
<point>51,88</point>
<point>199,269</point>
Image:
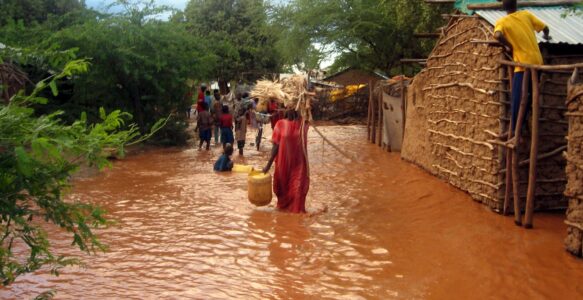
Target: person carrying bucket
<point>291,180</point>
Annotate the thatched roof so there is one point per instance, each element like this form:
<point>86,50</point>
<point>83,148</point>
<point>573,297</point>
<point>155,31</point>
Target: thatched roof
<point>12,79</point>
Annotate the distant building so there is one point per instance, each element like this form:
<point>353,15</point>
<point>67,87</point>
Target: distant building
<point>354,76</point>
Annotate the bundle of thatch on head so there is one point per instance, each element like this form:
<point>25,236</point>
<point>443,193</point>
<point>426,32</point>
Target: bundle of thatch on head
<point>574,155</point>
<point>291,92</point>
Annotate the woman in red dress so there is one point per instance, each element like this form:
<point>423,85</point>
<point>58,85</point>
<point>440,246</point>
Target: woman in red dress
<point>291,180</point>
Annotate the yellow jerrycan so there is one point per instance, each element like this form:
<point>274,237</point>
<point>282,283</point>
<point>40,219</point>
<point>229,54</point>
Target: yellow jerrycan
<point>259,188</point>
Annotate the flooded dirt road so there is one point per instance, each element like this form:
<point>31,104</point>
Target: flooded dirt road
<point>391,231</point>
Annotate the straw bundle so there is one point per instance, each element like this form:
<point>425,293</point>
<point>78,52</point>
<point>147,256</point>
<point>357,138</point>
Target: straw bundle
<point>292,92</point>
<point>265,90</point>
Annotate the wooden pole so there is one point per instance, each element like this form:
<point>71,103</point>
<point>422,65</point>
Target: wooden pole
<point>508,190</point>
<point>403,106</point>
<point>369,110</point>
<point>421,61</point>
<point>542,67</point>
<point>381,120</point>
<point>510,76</point>
<point>373,133</point>
<point>440,1</point>
<point>533,151</point>
<point>325,139</point>
<point>515,175</point>
<point>509,186</point>
<point>498,5</point>
<point>447,16</point>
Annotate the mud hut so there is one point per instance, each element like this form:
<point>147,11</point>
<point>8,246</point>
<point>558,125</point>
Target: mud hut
<point>458,108</point>
<point>574,172</point>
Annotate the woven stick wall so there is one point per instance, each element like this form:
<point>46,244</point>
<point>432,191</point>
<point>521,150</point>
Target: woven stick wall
<point>459,106</point>
<point>574,172</point>
<point>455,108</point>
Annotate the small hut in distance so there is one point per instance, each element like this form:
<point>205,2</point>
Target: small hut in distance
<point>458,105</point>
<point>343,97</point>
<point>354,76</point>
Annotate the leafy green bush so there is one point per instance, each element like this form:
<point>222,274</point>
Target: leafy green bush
<point>38,155</point>
<point>139,65</point>
<point>237,31</point>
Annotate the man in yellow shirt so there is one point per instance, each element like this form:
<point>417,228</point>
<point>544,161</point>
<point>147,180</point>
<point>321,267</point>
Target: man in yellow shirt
<point>515,32</point>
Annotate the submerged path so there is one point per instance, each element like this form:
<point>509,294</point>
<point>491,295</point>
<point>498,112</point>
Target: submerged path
<point>391,231</point>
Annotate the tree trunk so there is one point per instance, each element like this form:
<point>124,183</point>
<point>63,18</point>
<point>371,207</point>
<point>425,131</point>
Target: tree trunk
<point>223,86</point>
<point>138,109</point>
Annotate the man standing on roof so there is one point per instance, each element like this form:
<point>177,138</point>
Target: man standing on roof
<point>515,32</point>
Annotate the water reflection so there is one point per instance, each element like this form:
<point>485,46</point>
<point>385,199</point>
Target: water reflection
<point>391,231</point>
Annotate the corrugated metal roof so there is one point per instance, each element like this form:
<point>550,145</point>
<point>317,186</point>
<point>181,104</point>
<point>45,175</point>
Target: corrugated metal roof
<point>567,30</point>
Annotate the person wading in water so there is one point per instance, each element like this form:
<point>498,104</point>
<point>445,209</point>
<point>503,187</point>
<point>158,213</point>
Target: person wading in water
<point>291,180</point>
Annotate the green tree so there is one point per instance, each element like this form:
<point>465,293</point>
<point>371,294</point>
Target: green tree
<point>38,155</point>
<point>371,34</point>
<point>575,10</point>
<point>239,33</point>
<point>140,65</point>
<point>31,11</point>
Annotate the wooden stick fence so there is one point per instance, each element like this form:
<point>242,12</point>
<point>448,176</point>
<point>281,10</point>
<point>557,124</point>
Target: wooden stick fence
<point>531,75</point>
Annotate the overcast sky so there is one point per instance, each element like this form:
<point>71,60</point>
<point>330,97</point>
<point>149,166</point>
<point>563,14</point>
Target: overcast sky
<point>180,4</point>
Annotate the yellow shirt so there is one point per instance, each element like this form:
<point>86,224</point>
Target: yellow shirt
<point>518,28</point>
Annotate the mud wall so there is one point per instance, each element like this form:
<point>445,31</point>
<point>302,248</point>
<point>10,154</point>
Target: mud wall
<point>460,103</point>
<point>551,179</point>
<point>454,108</point>
<point>574,171</point>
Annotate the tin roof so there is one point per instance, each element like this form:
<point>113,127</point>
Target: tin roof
<point>564,29</point>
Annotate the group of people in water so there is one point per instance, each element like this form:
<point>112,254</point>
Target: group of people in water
<point>289,153</point>
<point>218,114</point>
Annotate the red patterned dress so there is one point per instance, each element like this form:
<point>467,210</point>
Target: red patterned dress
<point>291,180</point>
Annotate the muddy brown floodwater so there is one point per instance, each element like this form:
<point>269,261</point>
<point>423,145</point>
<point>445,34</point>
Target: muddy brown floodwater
<point>391,231</point>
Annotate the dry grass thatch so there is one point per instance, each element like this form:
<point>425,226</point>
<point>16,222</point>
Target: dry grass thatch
<point>292,92</point>
<point>12,79</point>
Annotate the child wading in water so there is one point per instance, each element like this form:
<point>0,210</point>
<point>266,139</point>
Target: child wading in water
<point>226,123</point>
<point>216,107</point>
<point>204,124</point>
<point>224,162</point>
<point>241,128</point>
